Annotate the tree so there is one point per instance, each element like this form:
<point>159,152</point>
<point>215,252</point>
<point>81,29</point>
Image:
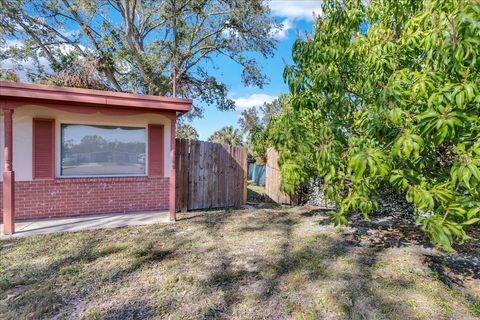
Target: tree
<point>386,93</point>
<point>254,122</point>
<point>258,117</point>
<point>227,135</point>
<point>81,73</point>
<point>150,47</point>
<point>249,119</point>
<point>8,75</point>
<point>186,131</point>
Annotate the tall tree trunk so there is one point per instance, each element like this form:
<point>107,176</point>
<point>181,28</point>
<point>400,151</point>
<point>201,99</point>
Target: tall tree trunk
<point>175,44</point>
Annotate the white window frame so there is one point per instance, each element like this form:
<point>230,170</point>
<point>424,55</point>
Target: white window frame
<point>58,148</point>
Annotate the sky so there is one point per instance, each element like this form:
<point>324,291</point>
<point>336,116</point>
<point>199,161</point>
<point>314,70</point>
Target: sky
<point>297,18</point>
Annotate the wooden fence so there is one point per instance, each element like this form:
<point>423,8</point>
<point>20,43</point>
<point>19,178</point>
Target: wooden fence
<point>273,179</point>
<point>209,175</point>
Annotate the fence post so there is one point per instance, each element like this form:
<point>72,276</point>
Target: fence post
<point>172,203</point>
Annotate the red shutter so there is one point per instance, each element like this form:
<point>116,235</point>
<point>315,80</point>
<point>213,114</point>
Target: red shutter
<point>155,150</point>
<point>43,148</point>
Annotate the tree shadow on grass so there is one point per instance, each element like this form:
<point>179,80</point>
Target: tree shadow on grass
<point>353,289</point>
<point>211,220</point>
<point>132,311</point>
<point>324,266</point>
<point>398,231</point>
<point>315,212</point>
<point>342,265</point>
<point>312,259</point>
<point>254,195</point>
<point>36,288</point>
<point>450,268</point>
<point>86,253</point>
<point>232,280</point>
<point>268,223</point>
<point>228,281</point>
<point>452,271</point>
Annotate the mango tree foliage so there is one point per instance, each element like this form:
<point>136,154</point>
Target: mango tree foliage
<point>255,122</point>
<point>386,94</point>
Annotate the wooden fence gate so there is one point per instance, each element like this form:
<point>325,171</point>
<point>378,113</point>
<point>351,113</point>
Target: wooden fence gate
<point>209,175</point>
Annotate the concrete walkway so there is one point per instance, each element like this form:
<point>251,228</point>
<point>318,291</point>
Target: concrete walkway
<point>92,222</point>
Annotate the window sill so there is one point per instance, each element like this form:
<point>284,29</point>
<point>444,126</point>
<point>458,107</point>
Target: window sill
<point>104,179</point>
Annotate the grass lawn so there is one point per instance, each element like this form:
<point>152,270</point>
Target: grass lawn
<point>259,263</point>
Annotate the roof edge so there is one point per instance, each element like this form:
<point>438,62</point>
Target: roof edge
<point>28,91</point>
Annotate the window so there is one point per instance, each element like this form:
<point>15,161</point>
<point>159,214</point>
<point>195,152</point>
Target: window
<point>88,150</point>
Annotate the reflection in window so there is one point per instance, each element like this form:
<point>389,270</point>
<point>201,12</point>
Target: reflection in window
<point>102,150</point>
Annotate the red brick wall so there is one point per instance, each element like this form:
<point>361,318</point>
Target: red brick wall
<point>73,197</point>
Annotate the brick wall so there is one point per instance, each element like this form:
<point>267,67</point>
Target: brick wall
<point>73,197</point>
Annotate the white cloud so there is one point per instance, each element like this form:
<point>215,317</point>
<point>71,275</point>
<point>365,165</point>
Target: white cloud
<point>254,100</point>
<point>295,9</point>
<point>12,43</point>
<point>22,66</point>
<point>282,33</point>
<point>230,33</point>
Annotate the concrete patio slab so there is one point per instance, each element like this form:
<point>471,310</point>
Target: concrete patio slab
<point>72,224</point>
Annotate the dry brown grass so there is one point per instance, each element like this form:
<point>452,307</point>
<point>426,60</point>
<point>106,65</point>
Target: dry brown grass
<point>264,263</point>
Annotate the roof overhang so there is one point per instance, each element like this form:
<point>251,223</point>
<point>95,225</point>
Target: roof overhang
<point>24,92</point>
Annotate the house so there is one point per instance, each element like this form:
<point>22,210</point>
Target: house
<point>70,151</point>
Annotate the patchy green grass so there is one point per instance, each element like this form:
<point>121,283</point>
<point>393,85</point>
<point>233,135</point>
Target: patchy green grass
<point>266,263</point>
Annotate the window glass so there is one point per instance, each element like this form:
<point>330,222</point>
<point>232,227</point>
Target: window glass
<point>102,150</point>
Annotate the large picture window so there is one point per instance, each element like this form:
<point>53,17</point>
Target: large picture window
<point>88,150</point>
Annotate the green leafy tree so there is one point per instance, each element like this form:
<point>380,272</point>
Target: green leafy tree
<point>80,73</point>
<point>249,119</point>
<point>187,131</point>
<point>254,122</point>
<point>387,93</point>
<point>258,117</point>
<point>8,75</point>
<point>227,135</point>
<point>152,47</point>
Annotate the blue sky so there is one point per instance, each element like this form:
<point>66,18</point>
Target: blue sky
<point>297,17</point>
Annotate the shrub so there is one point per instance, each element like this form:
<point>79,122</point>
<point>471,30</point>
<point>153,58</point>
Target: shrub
<point>388,92</point>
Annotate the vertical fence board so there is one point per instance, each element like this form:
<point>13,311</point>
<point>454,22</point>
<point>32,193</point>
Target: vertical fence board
<point>222,183</point>
<point>203,175</point>
<point>192,173</point>
<point>199,177</point>
<point>273,179</point>
<point>245,172</point>
<point>181,160</point>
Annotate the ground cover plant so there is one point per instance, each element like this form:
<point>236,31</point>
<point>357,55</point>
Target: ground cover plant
<point>264,262</point>
<point>385,94</point>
